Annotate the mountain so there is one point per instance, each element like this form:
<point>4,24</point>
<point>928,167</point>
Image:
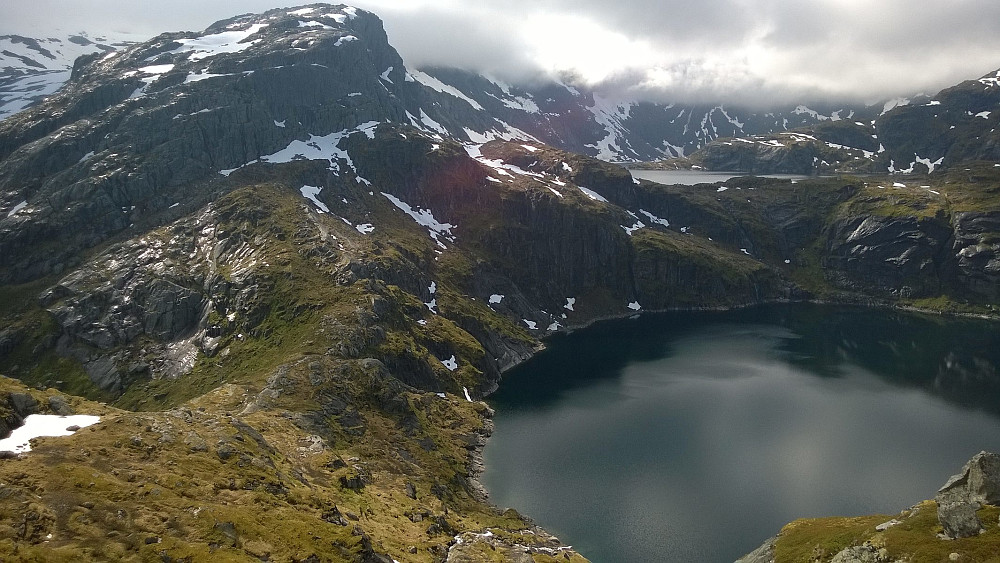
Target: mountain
<point>473,107</point>
<point>283,269</point>
<point>956,126</point>
<point>34,68</point>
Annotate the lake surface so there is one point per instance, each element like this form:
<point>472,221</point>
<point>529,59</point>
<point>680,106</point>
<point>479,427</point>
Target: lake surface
<point>692,177</point>
<point>696,436</point>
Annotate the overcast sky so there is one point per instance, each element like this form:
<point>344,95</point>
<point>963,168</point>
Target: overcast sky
<point>723,50</point>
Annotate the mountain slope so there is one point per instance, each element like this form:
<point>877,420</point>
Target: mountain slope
<point>34,68</point>
<point>955,127</point>
<point>476,108</point>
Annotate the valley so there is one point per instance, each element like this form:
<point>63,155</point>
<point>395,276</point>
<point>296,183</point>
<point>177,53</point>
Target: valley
<point>286,270</point>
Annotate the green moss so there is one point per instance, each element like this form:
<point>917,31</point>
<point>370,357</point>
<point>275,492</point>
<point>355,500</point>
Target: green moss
<point>915,539</point>
<point>951,305</point>
<point>818,540</point>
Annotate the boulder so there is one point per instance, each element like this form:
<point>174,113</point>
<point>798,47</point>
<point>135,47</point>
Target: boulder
<point>978,482</point>
<point>59,405</point>
<point>861,554</point>
<point>959,519</point>
<point>23,404</point>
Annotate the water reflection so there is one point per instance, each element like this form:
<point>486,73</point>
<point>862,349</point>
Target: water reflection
<point>953,358</point>
<point>695,436</point>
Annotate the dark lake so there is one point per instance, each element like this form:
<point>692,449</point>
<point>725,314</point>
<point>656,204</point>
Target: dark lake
<point>696,436</point>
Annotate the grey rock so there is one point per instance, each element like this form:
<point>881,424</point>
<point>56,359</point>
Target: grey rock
<point>59,405</point>
<point>763,554</point>
<point>170,310</point>
<point>23,404</point>
<point>959,519</point>
<point>861,554</point>
<point>195,442</point>
<point>104,372</point>
<point>887,256</point>
<point>977,482</point>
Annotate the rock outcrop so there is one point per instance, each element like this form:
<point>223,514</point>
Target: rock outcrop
<point>976,485</point>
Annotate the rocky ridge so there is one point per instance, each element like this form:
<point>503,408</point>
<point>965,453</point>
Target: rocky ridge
<point>474,107</point>
<point>955,126</point>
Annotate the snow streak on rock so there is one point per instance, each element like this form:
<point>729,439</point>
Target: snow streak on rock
<point>425,217</point>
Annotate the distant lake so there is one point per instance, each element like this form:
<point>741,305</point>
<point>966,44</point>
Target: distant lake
<point>692,177</point>
<point>696,436</point>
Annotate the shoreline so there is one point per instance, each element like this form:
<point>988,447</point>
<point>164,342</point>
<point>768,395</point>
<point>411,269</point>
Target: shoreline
<point>476,465</point>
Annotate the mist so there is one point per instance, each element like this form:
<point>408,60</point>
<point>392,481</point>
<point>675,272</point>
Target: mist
<point>715,51</point>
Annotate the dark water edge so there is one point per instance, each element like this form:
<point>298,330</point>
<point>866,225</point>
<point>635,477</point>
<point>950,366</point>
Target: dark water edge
<point>695,436</point>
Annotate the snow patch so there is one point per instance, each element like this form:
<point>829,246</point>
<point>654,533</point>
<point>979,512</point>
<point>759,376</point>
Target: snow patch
<point>530,324</point>
<point>435,84</point>
<point>365,228</point>
<point>635,306</point>
<point>635,227</point>
<point>654,218</point>
<point>17,208</point>
<point>894,103</point>
<point>310,193</point>
<point>314,23</point>
<point>156,69</point>
<point>39,425</point>
<point>451,363</point>
<point>425,217</point>
<point>930,165</point>
<point>570,301</point>
<point>218,43</point>
<point>592,194</point>
<point>496,298</point>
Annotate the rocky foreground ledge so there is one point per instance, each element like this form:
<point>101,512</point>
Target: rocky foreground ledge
<point>960,524</point>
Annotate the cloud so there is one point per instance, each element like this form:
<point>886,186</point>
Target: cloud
<point>666,50</point>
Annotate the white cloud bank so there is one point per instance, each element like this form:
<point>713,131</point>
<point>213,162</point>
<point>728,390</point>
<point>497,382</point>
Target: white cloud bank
<point>726,50</point>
